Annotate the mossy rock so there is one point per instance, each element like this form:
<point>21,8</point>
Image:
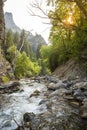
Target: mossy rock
<point>5,79</point>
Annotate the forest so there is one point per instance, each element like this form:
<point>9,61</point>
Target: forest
<point>68,38</point>
<point>32,95</point>
<point>68,33</point>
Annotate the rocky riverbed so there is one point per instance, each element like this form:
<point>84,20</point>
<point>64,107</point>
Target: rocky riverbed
<point>44,103</point>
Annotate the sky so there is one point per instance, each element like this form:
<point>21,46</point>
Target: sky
<point>22,18</point>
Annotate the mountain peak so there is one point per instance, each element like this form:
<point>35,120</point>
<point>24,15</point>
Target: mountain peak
<point>34,40</point>
<point>9,22</point>
<point>8,14</point>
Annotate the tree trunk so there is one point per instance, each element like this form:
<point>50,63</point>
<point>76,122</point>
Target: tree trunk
<point>2,24</point>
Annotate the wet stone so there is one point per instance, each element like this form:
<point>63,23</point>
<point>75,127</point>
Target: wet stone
<point>35,93</point>
<point>83,111</point>
<point>27,117</point>
<point>46,110</point>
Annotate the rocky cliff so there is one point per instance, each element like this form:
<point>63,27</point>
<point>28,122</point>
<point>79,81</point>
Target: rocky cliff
<point>33,40</point>
<point>9,23</point>
<point>5,68</point>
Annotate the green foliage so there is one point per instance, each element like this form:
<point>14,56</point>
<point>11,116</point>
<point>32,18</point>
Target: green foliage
<point>45,54</point>
<point>17,51</point>
<point>8,43</point>
<point>36,68</point>
<point>12,51</point>
<point>5,79</point>
<point>9,39</point>
<point>16,38</point>
<point>68,36</point>
<point>24,66</point>
<point>80,43</point>
<point>68,33</point>
<point>38,51</point>
<point>23,44</point>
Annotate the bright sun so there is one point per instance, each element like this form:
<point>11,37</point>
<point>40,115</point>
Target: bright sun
<point>69,20</point>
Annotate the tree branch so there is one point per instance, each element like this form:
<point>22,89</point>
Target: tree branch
<point>57,17</point>
<point>37,5</point>
<point>80,6</point>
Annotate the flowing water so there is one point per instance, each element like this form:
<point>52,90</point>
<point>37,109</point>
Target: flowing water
<point>16,104</point>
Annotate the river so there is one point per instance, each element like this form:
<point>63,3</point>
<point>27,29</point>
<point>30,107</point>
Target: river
<point>16,104</point>
<point>48,104</point>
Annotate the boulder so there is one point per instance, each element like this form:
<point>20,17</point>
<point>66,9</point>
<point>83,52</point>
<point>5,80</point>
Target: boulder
<point>10,84</point>
<point>81,85</point>
<point>59,85</point>
<point>83,111</point>
<point>55,86</point>
<point>27,117</point>
<point>51,86</point>
<point>69,92</point>
<point>31,121</point>
<point>10,87</point>
<point>78,94</point>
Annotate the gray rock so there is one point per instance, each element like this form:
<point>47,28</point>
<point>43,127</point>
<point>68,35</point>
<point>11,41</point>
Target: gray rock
<point>58,92</point>
<point>59,85</point>
<point>69,92</point>
<point>35,93</point>
<point>27,117</point>
<point>10,87</point>
<point>53,79</point>
<point>68,83</point>
<point>51,86</point>
<point>78,94</point>
<point>66,120</point>
<point>83,111</point>
<point>31,121</point>
<point>84,100</point>
<point>81,85</point>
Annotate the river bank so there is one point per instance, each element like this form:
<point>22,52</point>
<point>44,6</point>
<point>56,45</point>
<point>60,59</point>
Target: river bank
<point>45,103</point>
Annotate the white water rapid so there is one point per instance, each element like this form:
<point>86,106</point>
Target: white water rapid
<point>16,104</point>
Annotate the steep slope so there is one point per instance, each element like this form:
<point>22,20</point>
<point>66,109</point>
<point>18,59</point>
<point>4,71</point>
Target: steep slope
<point>6,73</point>
<point>5,68</point>
<point>2,29</point>
<point>71,70</point>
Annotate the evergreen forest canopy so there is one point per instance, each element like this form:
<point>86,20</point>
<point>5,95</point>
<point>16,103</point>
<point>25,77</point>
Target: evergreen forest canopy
<point>68,37</point>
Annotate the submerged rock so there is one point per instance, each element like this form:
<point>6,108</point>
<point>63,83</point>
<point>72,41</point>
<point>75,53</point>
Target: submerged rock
<point>35,93</point>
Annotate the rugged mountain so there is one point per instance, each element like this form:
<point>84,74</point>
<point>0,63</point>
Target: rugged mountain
<point>9,23</point>
<point>36,41</point>
<point>4,0</point>
<point>33,40</point>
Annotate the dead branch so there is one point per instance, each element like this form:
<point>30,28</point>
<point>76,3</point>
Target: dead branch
<point>36,5</point>
<point>60,22</point>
